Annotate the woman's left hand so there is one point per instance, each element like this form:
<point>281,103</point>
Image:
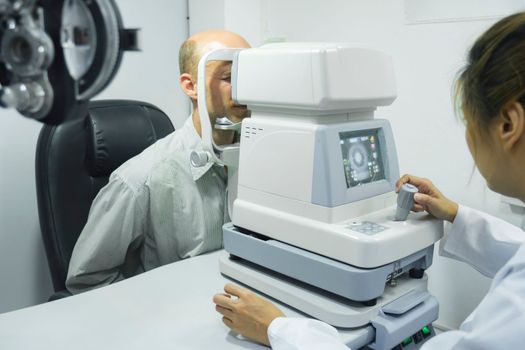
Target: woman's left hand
<point>246,313</point>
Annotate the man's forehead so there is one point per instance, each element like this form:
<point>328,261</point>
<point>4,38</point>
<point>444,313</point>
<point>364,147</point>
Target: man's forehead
<point>214,45</point>
<point>224,65</point>
<point>219,67</point>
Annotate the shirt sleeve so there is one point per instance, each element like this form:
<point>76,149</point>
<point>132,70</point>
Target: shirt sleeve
<point>114,226</point>
<point>302,333</point>
<point>172,216</point>
<point>480,240</point>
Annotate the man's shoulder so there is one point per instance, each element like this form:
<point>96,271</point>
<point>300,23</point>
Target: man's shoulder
<point>167,152</point>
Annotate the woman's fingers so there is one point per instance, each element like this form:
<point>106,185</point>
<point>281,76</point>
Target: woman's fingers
<point>410,179</point>
<point>235,290</point>
<point>224,311</point>
<point>223,300</point>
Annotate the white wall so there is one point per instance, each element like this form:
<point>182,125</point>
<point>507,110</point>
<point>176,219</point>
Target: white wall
<point>430,140</point>
<point>205,14</point>
<point>241,16</point>
<point>152,75</point>
<point>24,273</point>
<point>149,76</point>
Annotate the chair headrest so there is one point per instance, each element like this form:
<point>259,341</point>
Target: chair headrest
<point>116,133</point>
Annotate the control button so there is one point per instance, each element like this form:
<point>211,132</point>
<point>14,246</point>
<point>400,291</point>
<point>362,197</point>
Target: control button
<point>406,342</point>
<point>426,332</point>
<point>418,337</point>
<point>366,227</point>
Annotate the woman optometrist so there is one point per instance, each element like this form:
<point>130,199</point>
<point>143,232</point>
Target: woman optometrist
<point>491,89</point>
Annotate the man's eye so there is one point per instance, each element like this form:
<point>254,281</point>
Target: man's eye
<point>227,78</point>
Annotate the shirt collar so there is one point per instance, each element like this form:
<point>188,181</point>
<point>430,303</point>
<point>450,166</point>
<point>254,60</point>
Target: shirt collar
<point>194,143</point>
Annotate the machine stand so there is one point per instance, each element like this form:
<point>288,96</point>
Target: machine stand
<point>371,302</point>
<point>416,273</point>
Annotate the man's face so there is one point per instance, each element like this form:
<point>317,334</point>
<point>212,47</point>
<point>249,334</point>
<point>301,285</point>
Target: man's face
<point>219,93</point>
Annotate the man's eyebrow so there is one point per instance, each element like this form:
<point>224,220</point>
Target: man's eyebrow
<point>225,69</point>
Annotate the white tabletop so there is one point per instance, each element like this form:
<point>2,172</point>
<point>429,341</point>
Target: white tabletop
<point>167,308</point>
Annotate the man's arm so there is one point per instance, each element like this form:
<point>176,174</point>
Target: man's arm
<point>114,227</point>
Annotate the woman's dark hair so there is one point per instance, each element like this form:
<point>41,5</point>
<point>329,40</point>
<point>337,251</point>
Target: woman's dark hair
<point>494,76</point>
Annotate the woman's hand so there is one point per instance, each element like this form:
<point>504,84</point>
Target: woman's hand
<point>429,198</point>
<point>246,313</point>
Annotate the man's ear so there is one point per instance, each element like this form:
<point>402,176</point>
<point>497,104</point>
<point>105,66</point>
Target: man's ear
<point>188,85</point>
<point>511,126</point>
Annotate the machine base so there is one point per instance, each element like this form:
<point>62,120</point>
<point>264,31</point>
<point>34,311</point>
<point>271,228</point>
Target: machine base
<point>402,318</point>
<point>312,301</point>
<point>350,282</point>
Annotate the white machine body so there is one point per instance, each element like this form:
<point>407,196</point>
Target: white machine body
<point>313,78</point>
<point>316,170</point>
<point>314,218</point>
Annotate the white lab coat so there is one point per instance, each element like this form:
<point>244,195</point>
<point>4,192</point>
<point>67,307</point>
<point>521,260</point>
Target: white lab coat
<point>490,245</point>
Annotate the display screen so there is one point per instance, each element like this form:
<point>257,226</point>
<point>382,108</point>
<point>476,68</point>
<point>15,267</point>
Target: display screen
<point>362,159</point>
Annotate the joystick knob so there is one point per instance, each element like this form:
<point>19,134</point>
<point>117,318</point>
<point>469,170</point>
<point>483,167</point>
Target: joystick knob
<point>405,201</point>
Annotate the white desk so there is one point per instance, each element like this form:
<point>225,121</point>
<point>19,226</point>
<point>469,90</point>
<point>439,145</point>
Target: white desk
<point>166,308</point>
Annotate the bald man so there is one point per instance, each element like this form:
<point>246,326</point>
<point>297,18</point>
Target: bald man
<point>157,208</point>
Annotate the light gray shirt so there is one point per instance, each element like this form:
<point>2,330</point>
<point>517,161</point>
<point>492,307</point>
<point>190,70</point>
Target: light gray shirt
<point>156,209</point>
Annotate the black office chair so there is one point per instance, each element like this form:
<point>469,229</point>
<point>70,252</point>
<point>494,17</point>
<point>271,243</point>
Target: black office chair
<point>74,161</point>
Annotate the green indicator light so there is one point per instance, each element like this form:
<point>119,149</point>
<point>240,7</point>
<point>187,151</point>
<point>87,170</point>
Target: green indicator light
<point>407,341</point>
<point>425,330</point>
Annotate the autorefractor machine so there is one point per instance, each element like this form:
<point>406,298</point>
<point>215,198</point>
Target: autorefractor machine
<point>315,223</point>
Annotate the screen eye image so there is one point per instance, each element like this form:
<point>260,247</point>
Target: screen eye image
<point>362,159</point>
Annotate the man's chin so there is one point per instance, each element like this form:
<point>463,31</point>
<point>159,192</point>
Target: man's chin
<point>239,115</point>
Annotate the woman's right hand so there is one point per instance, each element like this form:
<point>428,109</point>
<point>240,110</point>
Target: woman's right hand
<point>429,198</point>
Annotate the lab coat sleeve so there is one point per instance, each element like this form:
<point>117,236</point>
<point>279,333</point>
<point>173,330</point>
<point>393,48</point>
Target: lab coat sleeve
<point>114,227</point>
<point>497,323</point>
<point>499,320</point>
<point>488,244</point>
<point>303,334</point>
<point>480,240</point>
